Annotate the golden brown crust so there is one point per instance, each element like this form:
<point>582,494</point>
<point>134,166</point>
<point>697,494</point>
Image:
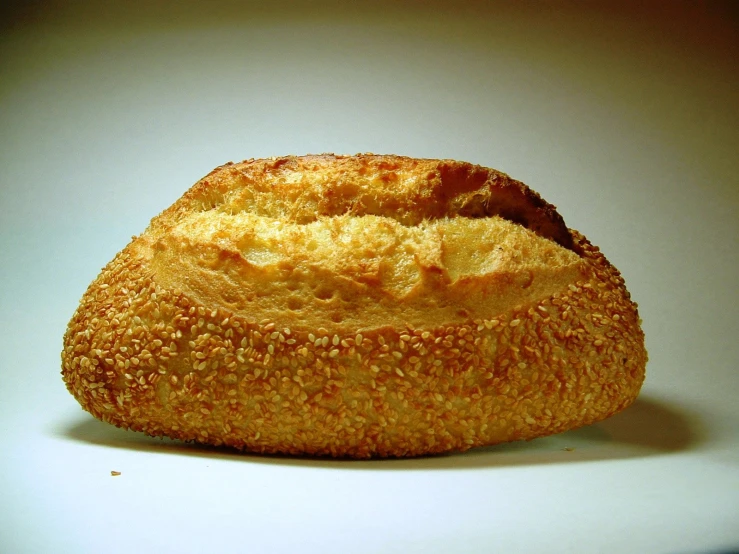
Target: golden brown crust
<point>182,354</point>
<point>406,189</point>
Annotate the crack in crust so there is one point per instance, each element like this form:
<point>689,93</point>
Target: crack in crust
<point>409,190</point>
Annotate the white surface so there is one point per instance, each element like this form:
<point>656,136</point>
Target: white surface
<point>626,119</point>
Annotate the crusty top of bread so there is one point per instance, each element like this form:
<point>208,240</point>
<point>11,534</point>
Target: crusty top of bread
<point>361,241</point>
<point>302,189</point>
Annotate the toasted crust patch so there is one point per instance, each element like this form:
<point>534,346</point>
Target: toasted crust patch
<point>409,190</point>
<point>355,306</point>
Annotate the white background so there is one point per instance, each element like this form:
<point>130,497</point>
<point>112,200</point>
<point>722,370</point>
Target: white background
<point>625,117</point>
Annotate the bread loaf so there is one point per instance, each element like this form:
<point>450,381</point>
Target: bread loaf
<point>355,306</point>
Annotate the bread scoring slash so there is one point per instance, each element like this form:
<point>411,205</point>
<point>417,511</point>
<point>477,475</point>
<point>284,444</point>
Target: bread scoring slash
<point>356,306</point>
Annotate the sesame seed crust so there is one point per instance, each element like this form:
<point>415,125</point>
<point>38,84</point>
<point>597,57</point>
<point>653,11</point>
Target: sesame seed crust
<point>146,356</point>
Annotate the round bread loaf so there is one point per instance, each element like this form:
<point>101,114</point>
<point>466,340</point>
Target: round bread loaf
<point>356,306</point>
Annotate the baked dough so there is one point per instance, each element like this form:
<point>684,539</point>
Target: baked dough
<point>356,306</point>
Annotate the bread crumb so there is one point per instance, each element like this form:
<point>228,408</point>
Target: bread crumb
<point>115,473</point>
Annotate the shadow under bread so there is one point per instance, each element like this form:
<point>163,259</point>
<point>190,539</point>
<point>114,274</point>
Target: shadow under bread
<point>646,428</point>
